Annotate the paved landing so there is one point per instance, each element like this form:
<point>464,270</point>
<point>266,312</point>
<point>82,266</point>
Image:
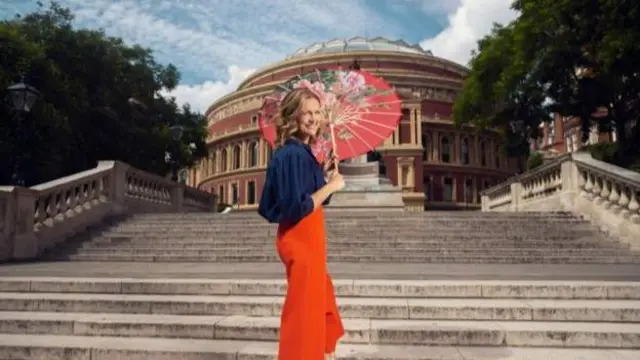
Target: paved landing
<point>604,272</point>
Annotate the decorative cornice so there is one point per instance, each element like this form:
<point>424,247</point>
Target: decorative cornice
<point>378,56</point>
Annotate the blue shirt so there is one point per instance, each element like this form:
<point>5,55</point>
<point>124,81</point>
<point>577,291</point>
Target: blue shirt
<point>293,175</point>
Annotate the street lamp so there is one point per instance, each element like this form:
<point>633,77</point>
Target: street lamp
<point>176,134</point>
<point>22,98</point>
<point>517,127</point>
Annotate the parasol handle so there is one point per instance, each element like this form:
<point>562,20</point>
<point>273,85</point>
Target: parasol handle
<point>333,145</point>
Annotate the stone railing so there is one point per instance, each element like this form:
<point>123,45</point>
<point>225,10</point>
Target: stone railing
<point>34,219</point>
<point>605,194</point>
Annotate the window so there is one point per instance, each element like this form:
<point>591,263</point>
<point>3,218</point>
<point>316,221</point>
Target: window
<point>234,194</point>
<point>465,151</point>
<point>483,153</point>
<point>251,192</point>
<point>445,148</point>
<point>254,120</point>
<point>221,196</point>
<point>223,160</point>
<point>448,189</point>
<point>236,157</point>
<point>253,154</point>
<point>212,164</point>
<point>426,185</point>
<point>468,190</point>
<point>551,136</point>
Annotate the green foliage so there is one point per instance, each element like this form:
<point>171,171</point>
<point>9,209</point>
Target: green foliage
<point>86,80</point>
<point>526,70</point>
<point>535,159</point>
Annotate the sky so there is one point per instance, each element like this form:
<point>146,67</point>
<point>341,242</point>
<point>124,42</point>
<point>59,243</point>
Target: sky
<point>216,44</point>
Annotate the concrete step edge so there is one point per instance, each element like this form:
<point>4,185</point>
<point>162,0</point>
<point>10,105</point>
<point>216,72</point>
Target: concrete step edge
<point>32,347</point>
<point>367,331</point>
<point>509,289</point>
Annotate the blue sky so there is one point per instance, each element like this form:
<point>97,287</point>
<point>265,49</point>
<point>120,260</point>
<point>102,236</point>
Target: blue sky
<point>217,43</point>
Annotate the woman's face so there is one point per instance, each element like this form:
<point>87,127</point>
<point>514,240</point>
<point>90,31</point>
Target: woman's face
<point>309,118</point>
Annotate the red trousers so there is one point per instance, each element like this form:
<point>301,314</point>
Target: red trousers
<point>310,325</point>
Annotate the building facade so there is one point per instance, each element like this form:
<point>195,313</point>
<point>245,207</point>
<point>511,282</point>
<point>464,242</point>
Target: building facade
<point>564,135</point>
<point>436,164</point>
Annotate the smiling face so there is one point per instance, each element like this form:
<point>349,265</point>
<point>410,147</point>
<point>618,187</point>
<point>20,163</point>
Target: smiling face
<point>309,118</point>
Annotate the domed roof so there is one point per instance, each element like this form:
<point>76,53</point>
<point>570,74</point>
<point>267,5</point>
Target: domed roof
<point>359,43</point>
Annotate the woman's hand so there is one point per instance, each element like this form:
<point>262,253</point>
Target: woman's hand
<point>336,181</point>
<point>330,163</point>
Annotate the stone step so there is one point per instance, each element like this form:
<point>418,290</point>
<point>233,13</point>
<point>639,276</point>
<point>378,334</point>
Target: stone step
<point>350,307</point>
<point>57,347</point>
<point>496,289</point>
<point>357,331</point>
<point>407,244</point>
<point>371,227</point>
<point>387,258</point>
<point>355,251</point>
<point>397,236</point>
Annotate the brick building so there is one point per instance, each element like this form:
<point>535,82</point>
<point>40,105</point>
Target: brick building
<point>436,164</point>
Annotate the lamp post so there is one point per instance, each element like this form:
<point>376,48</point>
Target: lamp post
<point>517,127</point>
<point>176,135</point>
<point>22,97</point>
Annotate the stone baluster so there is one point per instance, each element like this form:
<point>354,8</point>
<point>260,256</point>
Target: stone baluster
<point>614,196</point>
<point>604,193</point>
<point>634,206</point>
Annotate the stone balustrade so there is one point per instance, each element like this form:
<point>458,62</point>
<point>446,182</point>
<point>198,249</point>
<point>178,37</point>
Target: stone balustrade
<point>605,194</point>
<point>37,218</point>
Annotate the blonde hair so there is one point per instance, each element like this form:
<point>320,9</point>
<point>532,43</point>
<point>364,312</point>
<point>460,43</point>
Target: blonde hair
<point>286,118</point>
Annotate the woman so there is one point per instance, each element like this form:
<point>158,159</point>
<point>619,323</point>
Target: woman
<point>294,192</point>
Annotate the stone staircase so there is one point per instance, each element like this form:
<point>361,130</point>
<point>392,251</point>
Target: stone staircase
<point>122,318</point>
<point>430,237</point>
<point>103,310</point>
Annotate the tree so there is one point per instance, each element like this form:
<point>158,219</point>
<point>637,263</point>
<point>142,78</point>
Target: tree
<point>561,56</point>
<point>100,100</point>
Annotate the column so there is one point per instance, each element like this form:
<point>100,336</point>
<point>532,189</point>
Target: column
<point>261,152</point>
<point>243,155</point>
<point>419,123</point>
<point>412,126</point>
<point>229,157</point>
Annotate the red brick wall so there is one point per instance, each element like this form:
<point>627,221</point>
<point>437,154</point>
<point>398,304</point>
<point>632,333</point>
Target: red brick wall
<point>431,107</point>
<point>232,122</point>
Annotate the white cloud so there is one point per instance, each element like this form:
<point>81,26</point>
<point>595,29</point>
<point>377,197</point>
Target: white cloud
<point>201,96</point>
<point>215,43</point>
<point>469,22</point>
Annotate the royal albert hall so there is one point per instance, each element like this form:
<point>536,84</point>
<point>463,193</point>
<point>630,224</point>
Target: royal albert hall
<point>437,165</point>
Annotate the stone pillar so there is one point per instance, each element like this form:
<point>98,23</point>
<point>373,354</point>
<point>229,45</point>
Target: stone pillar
<point>362,159</point>
<point>412,126</point>
<point>261,152</point>
<point>177,197</point>
<point>418,115</point>
<point>117,184</point>
<point>17,208</point>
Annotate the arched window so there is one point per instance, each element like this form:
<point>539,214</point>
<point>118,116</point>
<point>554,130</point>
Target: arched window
<point>223,160</point>
<point>236,157</point>
<point>483,153</point>
<point>212,163</point>
<point>445,150</point>
<point>253,154</point>
<point>466,159</point>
